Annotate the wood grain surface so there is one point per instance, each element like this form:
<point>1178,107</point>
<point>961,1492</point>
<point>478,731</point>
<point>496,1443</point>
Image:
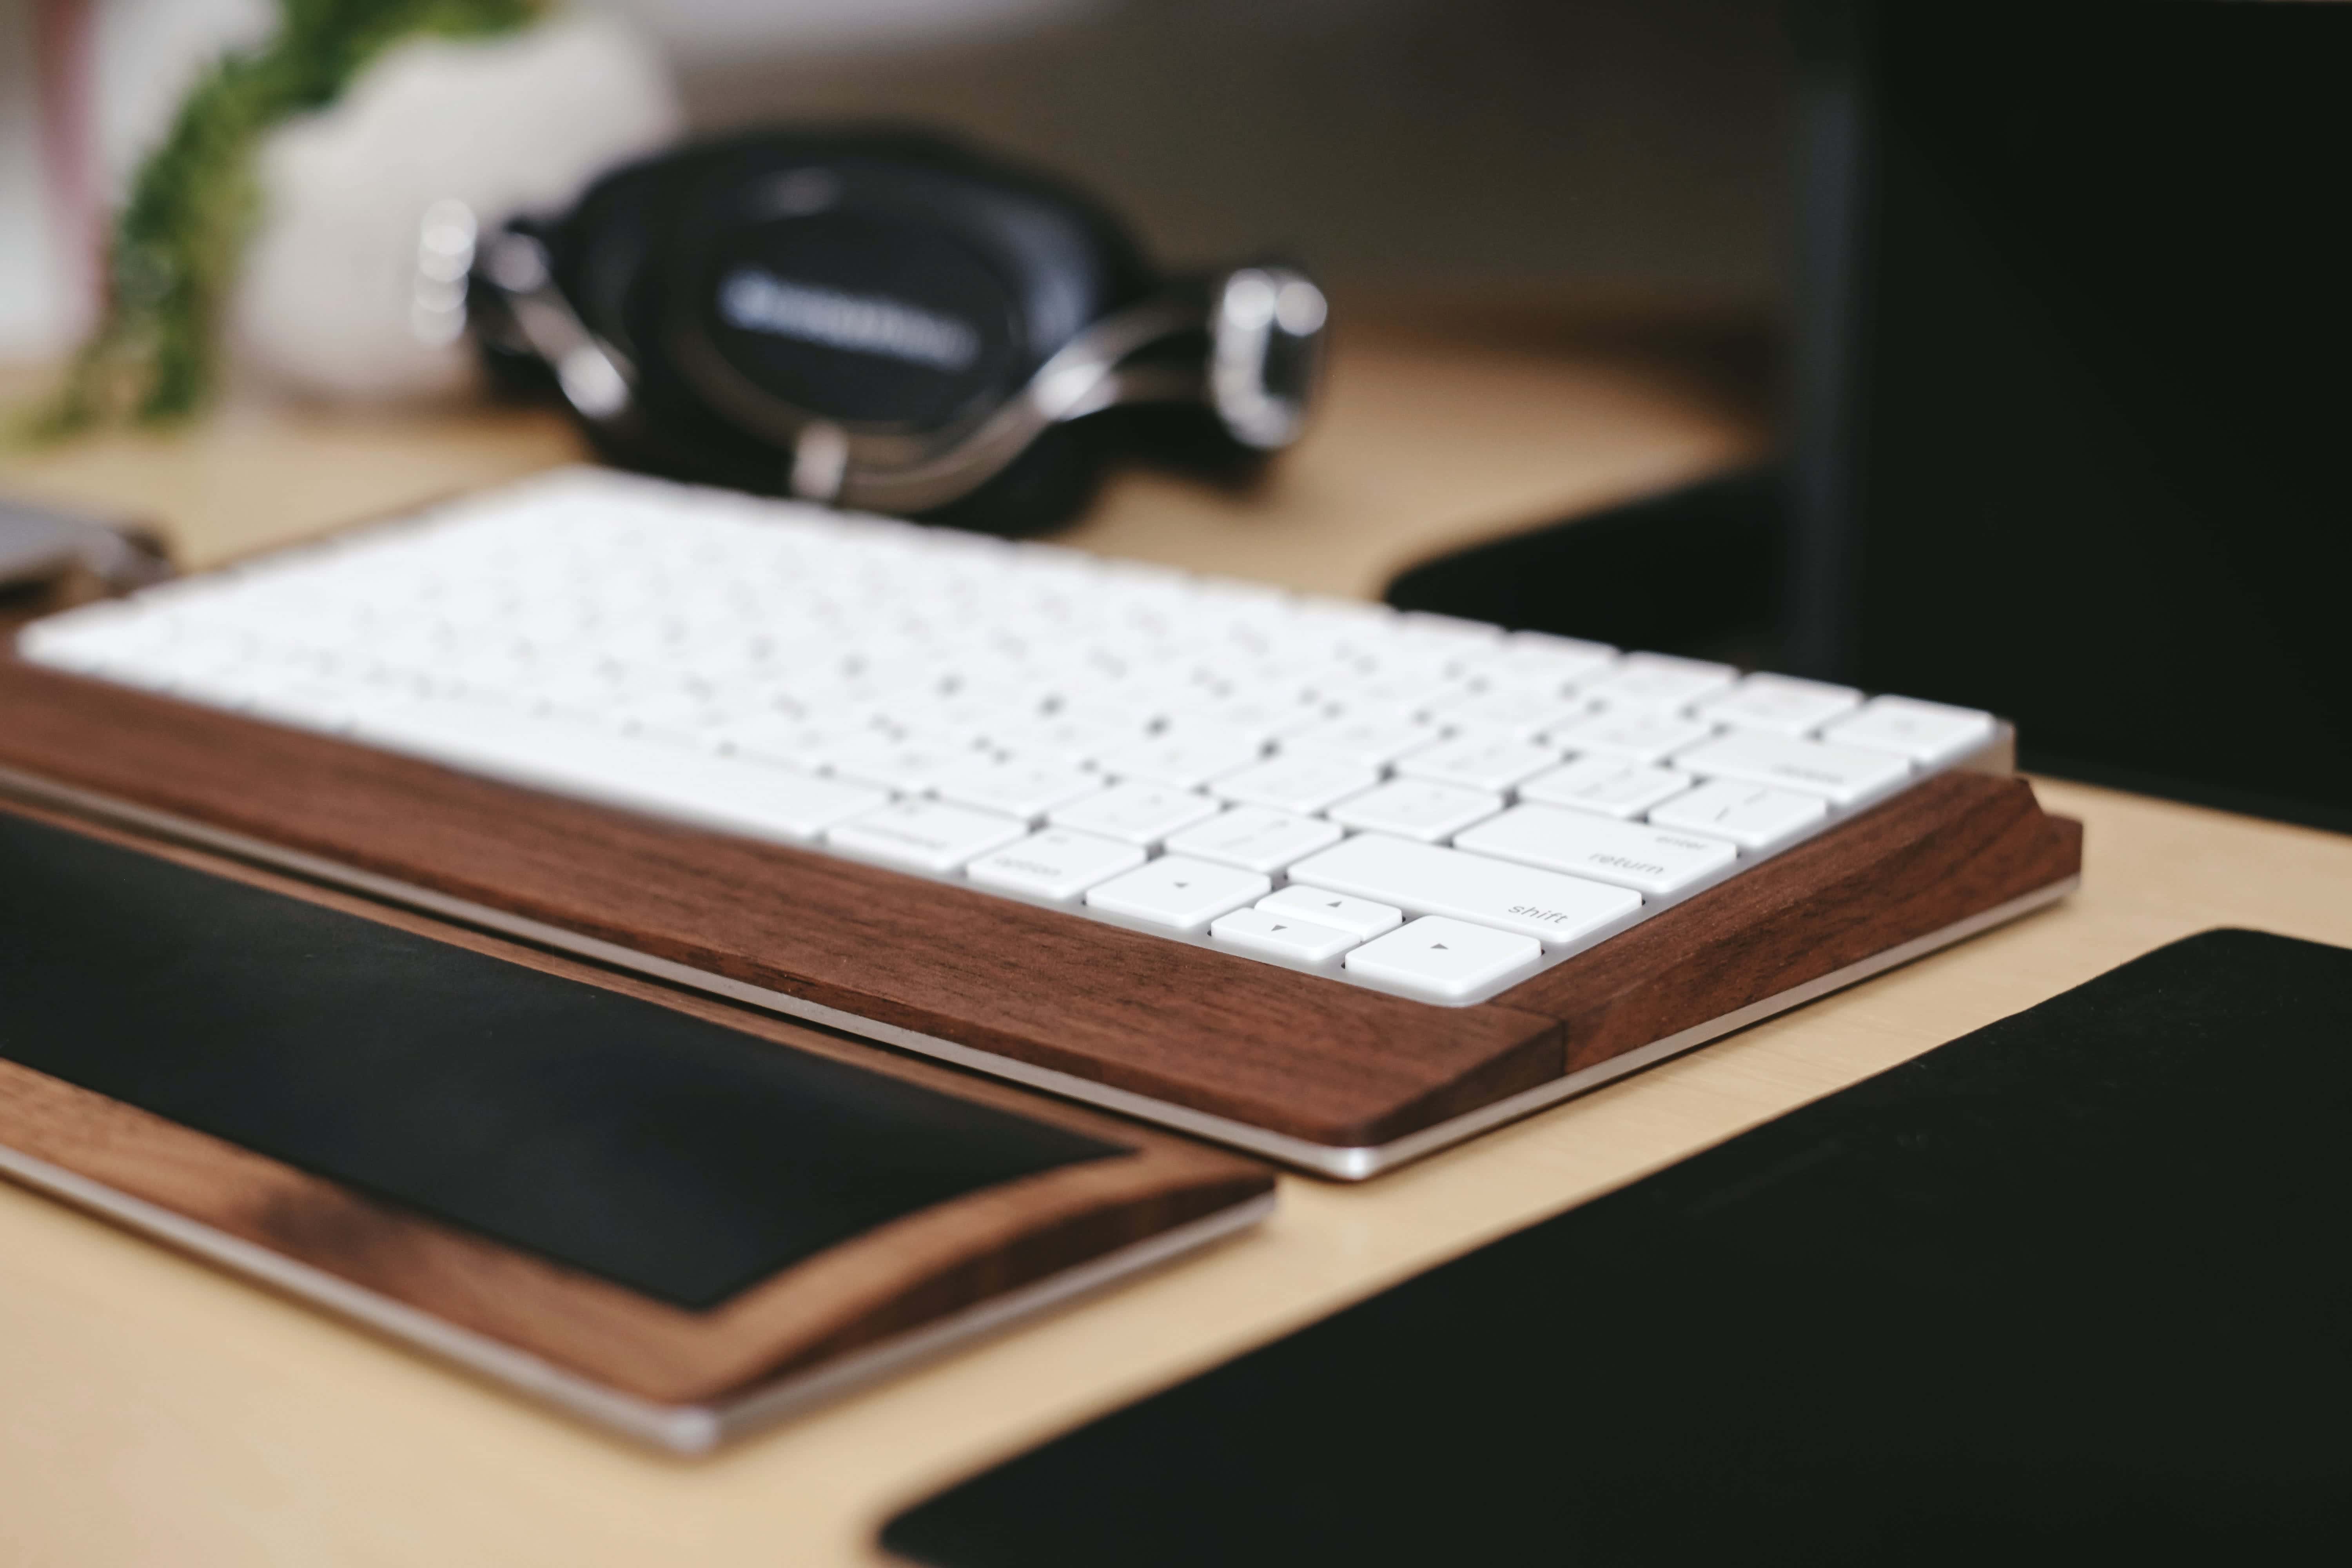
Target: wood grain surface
<point>1320,1060</point>
<point>895,1278</point>
<point>1444,417</point>
<point>1950,846</point>
<point>1326,1061</point>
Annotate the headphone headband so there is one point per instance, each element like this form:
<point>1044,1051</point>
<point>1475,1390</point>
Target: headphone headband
<point>886,323</point>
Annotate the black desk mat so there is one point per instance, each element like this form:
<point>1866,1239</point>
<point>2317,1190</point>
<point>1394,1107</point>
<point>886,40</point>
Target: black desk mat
<point>2075,1287</point>
<point>661,1153</point>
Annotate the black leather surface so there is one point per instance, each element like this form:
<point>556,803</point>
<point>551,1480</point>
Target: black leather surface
<point>2072,1289</point>
<point>2071,398</point>
<point>1694,571</point>
<point>671,1156</point>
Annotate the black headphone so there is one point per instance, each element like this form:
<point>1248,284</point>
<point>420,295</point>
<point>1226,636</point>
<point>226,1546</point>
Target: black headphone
<point>891,322</point>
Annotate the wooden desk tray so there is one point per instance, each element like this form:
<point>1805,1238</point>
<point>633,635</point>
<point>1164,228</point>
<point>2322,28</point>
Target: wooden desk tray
<point>683,1379</point>
<point>1329,1077</point>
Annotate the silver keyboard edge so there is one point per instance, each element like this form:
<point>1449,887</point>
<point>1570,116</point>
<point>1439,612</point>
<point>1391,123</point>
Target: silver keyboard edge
<point>764,1406</point>
<point>1345,1163</point>
<point>1429,1140</point>
<point>686,1429</point>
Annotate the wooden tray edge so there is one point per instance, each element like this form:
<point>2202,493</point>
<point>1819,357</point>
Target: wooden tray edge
<point>890,1281</point>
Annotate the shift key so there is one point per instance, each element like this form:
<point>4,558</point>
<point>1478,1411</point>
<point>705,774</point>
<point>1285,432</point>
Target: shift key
<point>1425,879</point>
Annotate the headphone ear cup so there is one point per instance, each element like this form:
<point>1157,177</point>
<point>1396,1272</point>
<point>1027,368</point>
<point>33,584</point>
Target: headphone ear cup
<point>1040,490</point>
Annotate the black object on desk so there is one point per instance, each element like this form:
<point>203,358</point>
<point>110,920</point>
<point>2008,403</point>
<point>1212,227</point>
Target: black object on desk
<point>2071,395</point>
<point>2072,1287</point>
<point>2068,402</point>
<point>653,1149</point>
<point>1695,571</point>
<point>676,1218</point>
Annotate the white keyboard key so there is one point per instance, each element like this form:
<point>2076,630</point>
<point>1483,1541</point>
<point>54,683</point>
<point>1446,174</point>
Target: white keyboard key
<point>1445,958</point>
<point>1537,664</point>
<point>147,669</point>
<point>1487,761</point>
<point>1055,864</point>
<point>1750,815</point>
<point>1781,703</point>
<point>1637,737</point>
<point>1424,629</point>
<point>795,739</point>
<point>1261,719</point>
<point>912,765</point>
<point>1413,693</point>
<point>1926,732</point>
<point>1343,616</point>
<point>1280,936</point>
<point>1297,782</point>
<point>672,712</point>
<point>1359,918</point>
<point>1179,892</point>
<point>1185,757</point>
<point>1658,682</point>
<point>1367,741</point>
<point>308,704</point>
<point>1552,645</point>
<point>1138,812</point>
<point>737,794</point>
<point>1610,785</point>
<point>1254,837</point>
<point>1846,775</point>
<point>774,669</point>
<point>1316,682</point>
<point>1018,788</point>
<point>1425,879</point>
<point>1076,733</point>
<point>1643,857</point>
<point>97,634</point>
<point>1511,710</point>
<point>970,721</point>
<point>1417,808</point>
<point>926,835</point>
<point>230,687</point>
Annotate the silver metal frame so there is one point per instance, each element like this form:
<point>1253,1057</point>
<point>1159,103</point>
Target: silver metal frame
<point>680,1428</point>
<point>1345,1163</point>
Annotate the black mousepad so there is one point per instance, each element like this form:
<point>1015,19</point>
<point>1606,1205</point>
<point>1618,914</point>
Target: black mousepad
<point>658,1152</point>
<point>2072,1287</point>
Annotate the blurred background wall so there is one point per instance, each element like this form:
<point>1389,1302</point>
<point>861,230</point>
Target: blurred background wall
<point>1619,150</point>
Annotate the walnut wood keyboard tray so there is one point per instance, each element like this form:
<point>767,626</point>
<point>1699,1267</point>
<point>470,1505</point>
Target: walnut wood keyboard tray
<point>1334,1078</point>
<point>1056,1200</point>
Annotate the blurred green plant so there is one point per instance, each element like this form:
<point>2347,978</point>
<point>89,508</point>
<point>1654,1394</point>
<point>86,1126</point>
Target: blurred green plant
<point>172,252</point>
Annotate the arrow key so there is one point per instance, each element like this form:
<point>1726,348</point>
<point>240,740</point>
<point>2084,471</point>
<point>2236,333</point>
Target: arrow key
<point>1178,893</point>
<point>1277,935</point>
<point>1443,959</point>
<point>1359,918</point>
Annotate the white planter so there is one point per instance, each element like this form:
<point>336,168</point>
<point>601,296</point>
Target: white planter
<point>352,288</point>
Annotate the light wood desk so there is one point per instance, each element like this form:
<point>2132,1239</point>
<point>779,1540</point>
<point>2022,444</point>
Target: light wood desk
<point>1428,437</point>
<point>154,1412</point>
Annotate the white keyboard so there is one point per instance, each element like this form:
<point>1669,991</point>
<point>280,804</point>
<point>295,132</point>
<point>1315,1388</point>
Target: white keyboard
<point>1421,806</point>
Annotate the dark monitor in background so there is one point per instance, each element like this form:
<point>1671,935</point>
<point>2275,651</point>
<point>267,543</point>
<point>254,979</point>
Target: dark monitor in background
<point>2073,401</point>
